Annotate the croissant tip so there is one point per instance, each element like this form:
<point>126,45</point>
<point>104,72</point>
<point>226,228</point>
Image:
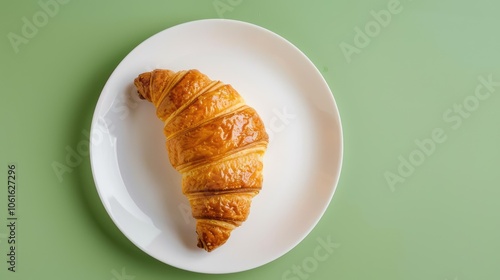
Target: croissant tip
<point>207,247</point>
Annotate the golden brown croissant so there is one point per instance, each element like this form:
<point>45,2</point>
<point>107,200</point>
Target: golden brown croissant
<point>215,141</point>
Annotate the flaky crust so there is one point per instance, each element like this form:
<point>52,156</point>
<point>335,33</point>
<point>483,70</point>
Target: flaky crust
<point>215,141</point>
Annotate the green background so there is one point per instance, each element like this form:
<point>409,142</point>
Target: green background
<point>441,222</point>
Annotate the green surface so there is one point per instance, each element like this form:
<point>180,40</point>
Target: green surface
<point>413,81</point>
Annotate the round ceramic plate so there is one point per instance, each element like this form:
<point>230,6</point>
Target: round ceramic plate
<point>142,192</point>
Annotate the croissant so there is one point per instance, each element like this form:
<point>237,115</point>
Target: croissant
<point>215,141</point>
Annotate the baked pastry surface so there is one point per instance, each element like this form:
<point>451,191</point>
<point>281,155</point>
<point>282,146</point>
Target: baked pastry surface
<point>215,140</point>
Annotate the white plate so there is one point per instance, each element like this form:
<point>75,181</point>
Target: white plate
<point>141,191</point>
